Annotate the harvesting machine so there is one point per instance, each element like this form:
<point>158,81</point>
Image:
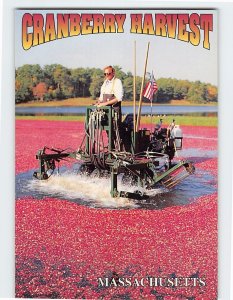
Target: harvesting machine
<point>141,158</point>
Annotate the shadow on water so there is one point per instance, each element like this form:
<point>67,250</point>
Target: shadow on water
<point>95,192</point>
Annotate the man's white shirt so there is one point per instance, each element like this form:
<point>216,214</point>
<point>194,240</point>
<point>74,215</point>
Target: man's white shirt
<point>113,86</point>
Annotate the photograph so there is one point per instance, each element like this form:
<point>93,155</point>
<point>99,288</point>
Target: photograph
<point>116,153</point>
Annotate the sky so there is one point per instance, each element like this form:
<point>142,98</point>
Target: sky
<point>167,57</point>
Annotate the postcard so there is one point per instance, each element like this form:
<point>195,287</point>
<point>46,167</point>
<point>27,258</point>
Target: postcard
<point>116,153</point>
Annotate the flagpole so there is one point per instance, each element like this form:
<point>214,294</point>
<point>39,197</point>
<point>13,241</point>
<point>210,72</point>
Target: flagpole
<point>151,115</point>
<point>151,106</point>
<point>134,94</point>
<point>140,101</point>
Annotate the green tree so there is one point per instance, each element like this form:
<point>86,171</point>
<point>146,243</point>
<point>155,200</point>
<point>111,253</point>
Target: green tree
<point>58,82</point>
<point>75,81</point>
<point>49,75</point>
<point>119,73</point>
<point>63,82</point>
<point>26,77</point>
<point>181,88</point>
<point>128,88</point>
<point>211,93</point>
<point>165,89</point>
<point>197,92</point>
<point>96,83</point>
<point>128,82</point>
<point>81,79</point>
<point>22,93</point>
<point>84,82</point>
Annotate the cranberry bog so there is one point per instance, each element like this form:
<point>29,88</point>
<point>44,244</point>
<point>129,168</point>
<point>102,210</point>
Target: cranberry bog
<point>69,232</point>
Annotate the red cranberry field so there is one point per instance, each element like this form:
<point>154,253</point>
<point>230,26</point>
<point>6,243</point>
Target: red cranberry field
<point>62,247</point>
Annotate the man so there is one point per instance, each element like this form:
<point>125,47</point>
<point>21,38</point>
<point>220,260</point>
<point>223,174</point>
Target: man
<point>111,91</point>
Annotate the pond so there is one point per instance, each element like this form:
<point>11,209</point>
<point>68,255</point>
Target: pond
<point>146,110</point>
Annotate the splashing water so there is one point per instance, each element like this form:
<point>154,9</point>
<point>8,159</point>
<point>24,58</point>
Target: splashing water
<point>95,192</point>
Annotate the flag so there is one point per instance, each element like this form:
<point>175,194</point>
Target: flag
<point>150,88</point>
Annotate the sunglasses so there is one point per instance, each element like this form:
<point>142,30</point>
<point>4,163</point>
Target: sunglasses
<point>106,74</point>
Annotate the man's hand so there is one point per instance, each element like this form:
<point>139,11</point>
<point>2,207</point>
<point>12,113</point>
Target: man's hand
<point>96,103</point>
<point>100,104</point>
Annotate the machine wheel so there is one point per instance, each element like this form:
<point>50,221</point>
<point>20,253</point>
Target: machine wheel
<point>129,179</point>
<point>86,169</point>
<point>138,192</point>
<point>97,173</point>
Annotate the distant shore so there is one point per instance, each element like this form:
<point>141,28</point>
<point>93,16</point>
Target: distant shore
<point>181,120</point>
<point>89,101</point>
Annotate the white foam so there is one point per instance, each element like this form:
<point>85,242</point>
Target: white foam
<point>96,191</point>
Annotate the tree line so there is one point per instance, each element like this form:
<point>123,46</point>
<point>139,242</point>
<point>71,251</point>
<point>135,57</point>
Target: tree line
<point>34,83</point>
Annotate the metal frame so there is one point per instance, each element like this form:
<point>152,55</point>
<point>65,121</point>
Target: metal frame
<point>143,166</point>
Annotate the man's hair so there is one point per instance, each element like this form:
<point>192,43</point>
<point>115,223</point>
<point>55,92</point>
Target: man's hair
<point>110,67</point>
